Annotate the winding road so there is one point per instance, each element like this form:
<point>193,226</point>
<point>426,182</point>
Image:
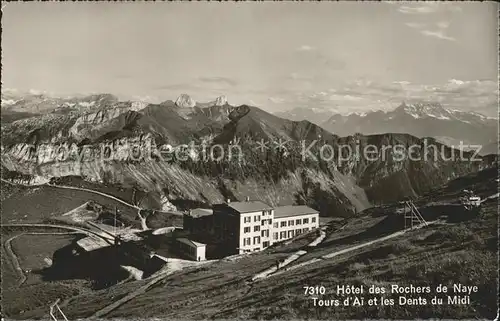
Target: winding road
<point>141,218</point>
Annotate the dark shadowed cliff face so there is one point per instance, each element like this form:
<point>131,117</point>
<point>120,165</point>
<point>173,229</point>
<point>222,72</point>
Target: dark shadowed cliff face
<point>276,160</point>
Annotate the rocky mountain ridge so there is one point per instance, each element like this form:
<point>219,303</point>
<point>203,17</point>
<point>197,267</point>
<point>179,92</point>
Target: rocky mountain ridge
<point>119,143</point>
<point>421,120</point>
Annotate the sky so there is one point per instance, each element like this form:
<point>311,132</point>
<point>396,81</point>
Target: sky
<point>341,56</point>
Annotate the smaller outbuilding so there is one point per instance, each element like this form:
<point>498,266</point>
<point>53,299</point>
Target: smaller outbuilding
<point>191,249</point>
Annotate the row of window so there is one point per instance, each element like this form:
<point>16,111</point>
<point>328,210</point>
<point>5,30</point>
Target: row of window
<point>264,213</point>
<point>269,221</point>
<point>296,222</point>
<point>256,228</point>
<point>288,234</point>
<point>247,240</point>
<point>248,219</point>
<point>256,218</point>
<point>264,233</point>
<point>248,229</point>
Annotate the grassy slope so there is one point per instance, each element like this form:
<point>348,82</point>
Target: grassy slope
<point>461,252</point>
<point>35,248</point>
<point>36,204</point>
<point>34,293</point>
<point>454,253</point>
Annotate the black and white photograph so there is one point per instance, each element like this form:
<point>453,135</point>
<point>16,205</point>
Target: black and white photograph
<point>272,160</point>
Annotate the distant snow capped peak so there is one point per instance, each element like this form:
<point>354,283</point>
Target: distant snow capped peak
<point>36,92</point>
<point>357,113</point>
<point>184,100</point>
<point>220,101</point>
<point>8,102</point>
<point>424,109</point>
<point>87,103</point>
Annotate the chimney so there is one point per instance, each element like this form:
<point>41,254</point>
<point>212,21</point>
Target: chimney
<point>247,199</point>
<point>228,200</point>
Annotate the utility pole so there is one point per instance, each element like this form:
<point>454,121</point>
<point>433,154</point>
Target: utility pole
<point>114,223</point>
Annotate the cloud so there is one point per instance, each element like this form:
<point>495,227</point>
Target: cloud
<point>415,25</point>
<point>301,77</point>
<point>204,88</point>
<point>344,98</point>
<point>426,29</point>
<point>467,95</point>
<point>218,80</point>
<point>421,9</point>
<point>365,95</point>
<point>276,100</point>
<point>438,34</point>
<point>305,48</point>
<point>443,24</point>
<point>428,8</point>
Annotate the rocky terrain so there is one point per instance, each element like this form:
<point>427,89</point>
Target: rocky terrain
<point>315,115</point>
<point>135,144</point>
<point>425,119</point>
<point>161,156</point>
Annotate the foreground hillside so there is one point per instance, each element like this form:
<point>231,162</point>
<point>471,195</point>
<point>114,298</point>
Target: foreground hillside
<point>121,143</point>
<point>445,252</point>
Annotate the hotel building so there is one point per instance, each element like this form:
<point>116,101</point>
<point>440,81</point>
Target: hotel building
<point>253,225</point>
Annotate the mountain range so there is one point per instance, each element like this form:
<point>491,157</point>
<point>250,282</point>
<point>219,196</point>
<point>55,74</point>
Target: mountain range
<point>425,119</point>
<point>45,138</point>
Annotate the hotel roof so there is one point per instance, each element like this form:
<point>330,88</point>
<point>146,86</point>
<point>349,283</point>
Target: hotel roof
<point>293,210</point>
<point>250,206</point>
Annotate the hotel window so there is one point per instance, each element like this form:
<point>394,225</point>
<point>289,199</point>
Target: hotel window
<point>244,242</point>
<point>256,228</point>
<point>263,213</point>
<point>290,223</point>
<point>275,236</point>
<point>263,222</point>
<point>306,229</point>
<point>269,221</point>
<point>297,222</point>
<point>247,219</point>
<point>313,220</point>
<point>256,240</point>
<point>305,221</point>
<point>264,233</point>
<point>283,224</point>
<point>246,229</point>
<point>256,218</point>
<point>282,235</point>
<point>275,225</point>
<point>290,234</point>
<point>297,231</point>
<point>249,241</point>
